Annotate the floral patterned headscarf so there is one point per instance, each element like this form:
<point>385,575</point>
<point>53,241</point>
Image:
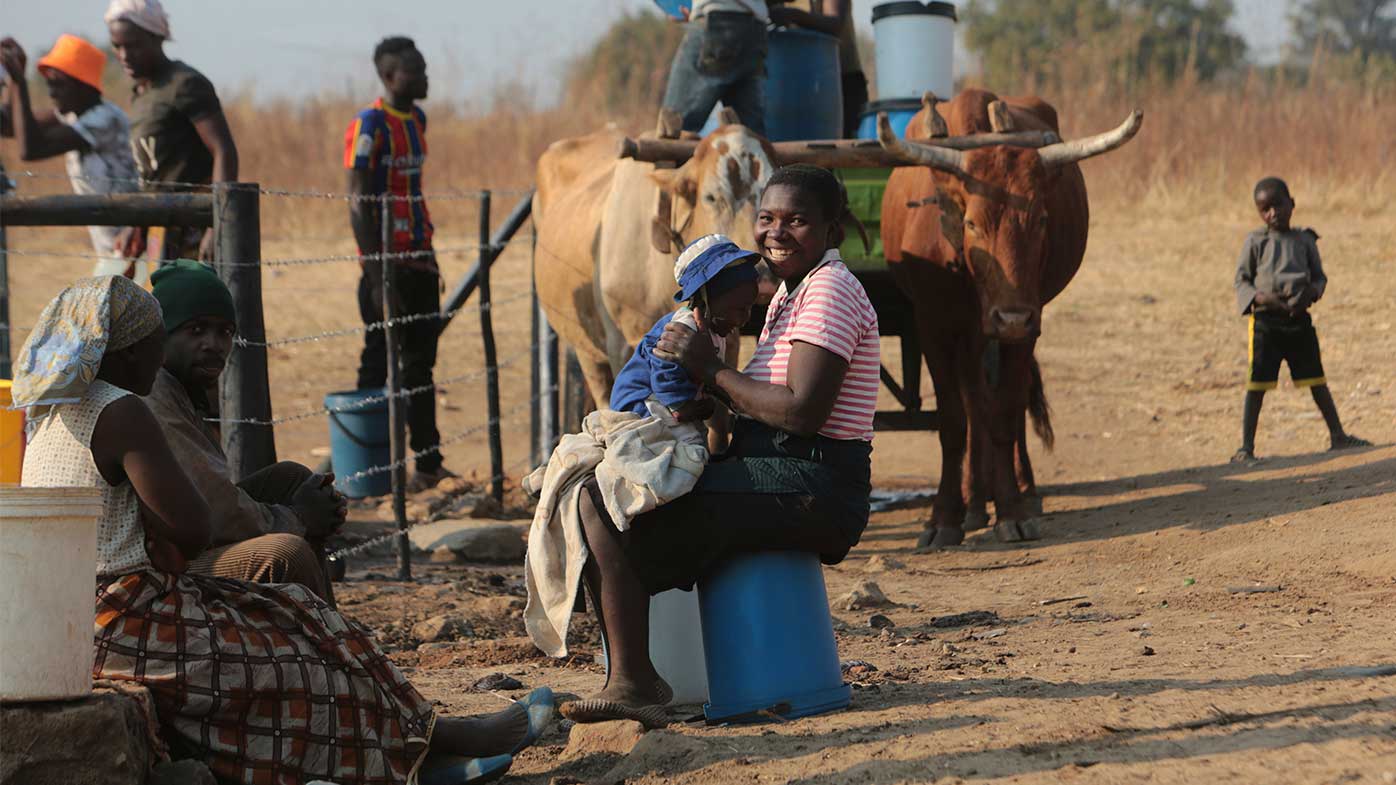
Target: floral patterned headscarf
<point>93,316</point>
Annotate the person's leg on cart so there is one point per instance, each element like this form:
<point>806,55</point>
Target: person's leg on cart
<point>689,92</point>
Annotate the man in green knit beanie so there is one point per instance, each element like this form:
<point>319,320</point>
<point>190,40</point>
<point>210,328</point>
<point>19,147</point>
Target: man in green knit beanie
<point>271,526</point>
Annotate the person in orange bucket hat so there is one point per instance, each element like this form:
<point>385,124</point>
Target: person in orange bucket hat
<point>90,132</point>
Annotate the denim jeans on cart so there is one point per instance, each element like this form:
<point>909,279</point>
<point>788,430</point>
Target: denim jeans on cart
<point>722,58</point>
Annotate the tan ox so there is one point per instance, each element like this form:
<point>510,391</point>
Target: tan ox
<point>601,278</point>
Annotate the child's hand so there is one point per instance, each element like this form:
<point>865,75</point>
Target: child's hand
<point>1268,300</point>
<point>1301,301</point>
<point>696,410</point>
<point>683,345</point>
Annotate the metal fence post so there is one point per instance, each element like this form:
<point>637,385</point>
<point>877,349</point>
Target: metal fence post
<point>491,362</point>
<point>545,434</point>
<point>576,399</point>
<point>244,393</point>
<point>5,355</point>
<point>548,381</point>
<point>397,425</point>
<point>535,380</point>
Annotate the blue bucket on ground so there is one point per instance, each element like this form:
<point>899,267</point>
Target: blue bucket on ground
<point>899,113</point>
<point>359,441</point>
<point>768,638</point>
<point>804,89</point>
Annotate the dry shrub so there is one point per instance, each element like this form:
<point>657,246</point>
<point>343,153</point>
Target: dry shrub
<point>1204,144</point>
<point>1201,148</point>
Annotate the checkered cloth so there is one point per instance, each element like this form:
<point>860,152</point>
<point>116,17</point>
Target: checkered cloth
<point>268,684</point>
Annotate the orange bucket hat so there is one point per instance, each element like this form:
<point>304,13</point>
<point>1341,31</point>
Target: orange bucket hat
<point>77,58</point>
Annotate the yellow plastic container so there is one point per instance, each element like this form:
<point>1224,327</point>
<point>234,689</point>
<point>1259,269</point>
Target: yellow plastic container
<point>11,437</point>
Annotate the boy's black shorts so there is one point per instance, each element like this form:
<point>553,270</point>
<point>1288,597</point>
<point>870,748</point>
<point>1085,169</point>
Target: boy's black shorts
<point>1276,337</point>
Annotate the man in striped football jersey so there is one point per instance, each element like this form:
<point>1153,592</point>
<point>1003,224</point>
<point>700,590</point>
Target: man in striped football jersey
<point>385,148</point>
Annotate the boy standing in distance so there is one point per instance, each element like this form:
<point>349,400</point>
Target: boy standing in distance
<point>385,147</point>
<point>1279,276</point>
<point>179,135</point>
<point>90,132</point>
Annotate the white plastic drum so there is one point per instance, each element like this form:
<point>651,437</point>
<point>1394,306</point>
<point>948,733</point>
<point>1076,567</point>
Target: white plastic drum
<point>48,568</point>
<point>915,49</point>
<point>676,645</point>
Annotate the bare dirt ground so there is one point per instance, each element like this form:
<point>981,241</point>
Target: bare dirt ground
<point>1157,674</point>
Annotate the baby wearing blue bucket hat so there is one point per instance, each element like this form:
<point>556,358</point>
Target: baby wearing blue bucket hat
<point>717,286</point>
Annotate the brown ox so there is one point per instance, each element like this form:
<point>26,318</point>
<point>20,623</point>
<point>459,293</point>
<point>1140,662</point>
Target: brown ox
<point>980,240</point>
<point>606,247</point>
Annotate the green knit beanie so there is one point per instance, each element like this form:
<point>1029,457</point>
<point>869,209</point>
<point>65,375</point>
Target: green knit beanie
<point>188,290</point>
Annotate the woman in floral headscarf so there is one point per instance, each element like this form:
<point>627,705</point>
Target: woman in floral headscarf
<point>265,683</point>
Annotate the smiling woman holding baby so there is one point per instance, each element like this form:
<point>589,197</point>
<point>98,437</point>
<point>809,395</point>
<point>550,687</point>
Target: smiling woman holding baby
<point>797,475</point>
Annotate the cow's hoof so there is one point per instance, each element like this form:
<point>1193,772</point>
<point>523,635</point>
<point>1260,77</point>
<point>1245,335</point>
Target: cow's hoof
<point>939,537</point>
<point>1017,531</point>
<point>976,520</point>
<point>1032,506</point>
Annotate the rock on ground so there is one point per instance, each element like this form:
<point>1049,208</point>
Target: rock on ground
<point>865,595</point>
<point>100,740</point>
<point>882,563</point>
<point>593,738</point>
<point>661,753</point>
<point>440,628</point>
<point>476,541</point>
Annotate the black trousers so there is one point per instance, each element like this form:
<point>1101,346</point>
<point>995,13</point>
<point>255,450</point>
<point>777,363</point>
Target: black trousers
<point>771,491</point>
<point>418,292</point>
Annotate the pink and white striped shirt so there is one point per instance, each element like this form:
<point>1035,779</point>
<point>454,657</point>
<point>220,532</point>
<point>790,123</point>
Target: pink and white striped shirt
<point>829,309</point>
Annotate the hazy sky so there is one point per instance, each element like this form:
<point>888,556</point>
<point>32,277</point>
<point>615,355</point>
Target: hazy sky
<point>298,47</point>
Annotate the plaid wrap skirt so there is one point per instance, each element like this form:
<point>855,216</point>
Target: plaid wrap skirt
<point>265,683</point>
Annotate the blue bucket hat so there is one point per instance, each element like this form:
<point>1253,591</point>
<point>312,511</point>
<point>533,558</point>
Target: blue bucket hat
<point>705,258</point>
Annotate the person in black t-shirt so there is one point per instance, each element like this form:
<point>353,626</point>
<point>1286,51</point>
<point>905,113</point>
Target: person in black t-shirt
<point>179,136</point>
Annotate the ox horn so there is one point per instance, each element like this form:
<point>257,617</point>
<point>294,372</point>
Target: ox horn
<point>999,118</point>
<point>942,158</point>
<point>1070,152</point>
<point>935,124</point>
<point>657,150</point>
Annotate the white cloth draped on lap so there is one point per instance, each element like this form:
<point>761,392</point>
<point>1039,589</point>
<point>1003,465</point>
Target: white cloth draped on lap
<point>639,463</point>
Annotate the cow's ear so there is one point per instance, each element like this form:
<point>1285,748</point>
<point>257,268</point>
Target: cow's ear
<point>678,182</point>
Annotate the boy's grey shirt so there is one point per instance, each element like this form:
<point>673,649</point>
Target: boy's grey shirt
<point>1282,263</point>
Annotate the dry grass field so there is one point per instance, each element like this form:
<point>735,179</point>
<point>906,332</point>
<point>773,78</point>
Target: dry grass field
<point>1143,358</point>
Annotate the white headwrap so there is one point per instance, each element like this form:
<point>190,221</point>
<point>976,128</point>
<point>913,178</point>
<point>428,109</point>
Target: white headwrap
<point>148,15</point>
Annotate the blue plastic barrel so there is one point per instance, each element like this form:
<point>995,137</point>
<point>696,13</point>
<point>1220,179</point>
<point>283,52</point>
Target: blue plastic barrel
<point>899,113</point>
<point>359,441</point>
<point>804,90</point>
<point>768,638</point>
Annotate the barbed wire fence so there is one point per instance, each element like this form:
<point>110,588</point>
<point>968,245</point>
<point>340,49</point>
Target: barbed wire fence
<point>245,419</point>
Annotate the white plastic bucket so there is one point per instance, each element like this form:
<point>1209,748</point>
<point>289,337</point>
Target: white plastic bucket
<point>915,46</point>
<point>676,645</point>
<point>48,569</point>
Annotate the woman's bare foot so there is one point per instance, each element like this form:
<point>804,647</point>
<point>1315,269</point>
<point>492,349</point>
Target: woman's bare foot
<point>632,694</point>
<point>478,737</point>
<point>622,699</point>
